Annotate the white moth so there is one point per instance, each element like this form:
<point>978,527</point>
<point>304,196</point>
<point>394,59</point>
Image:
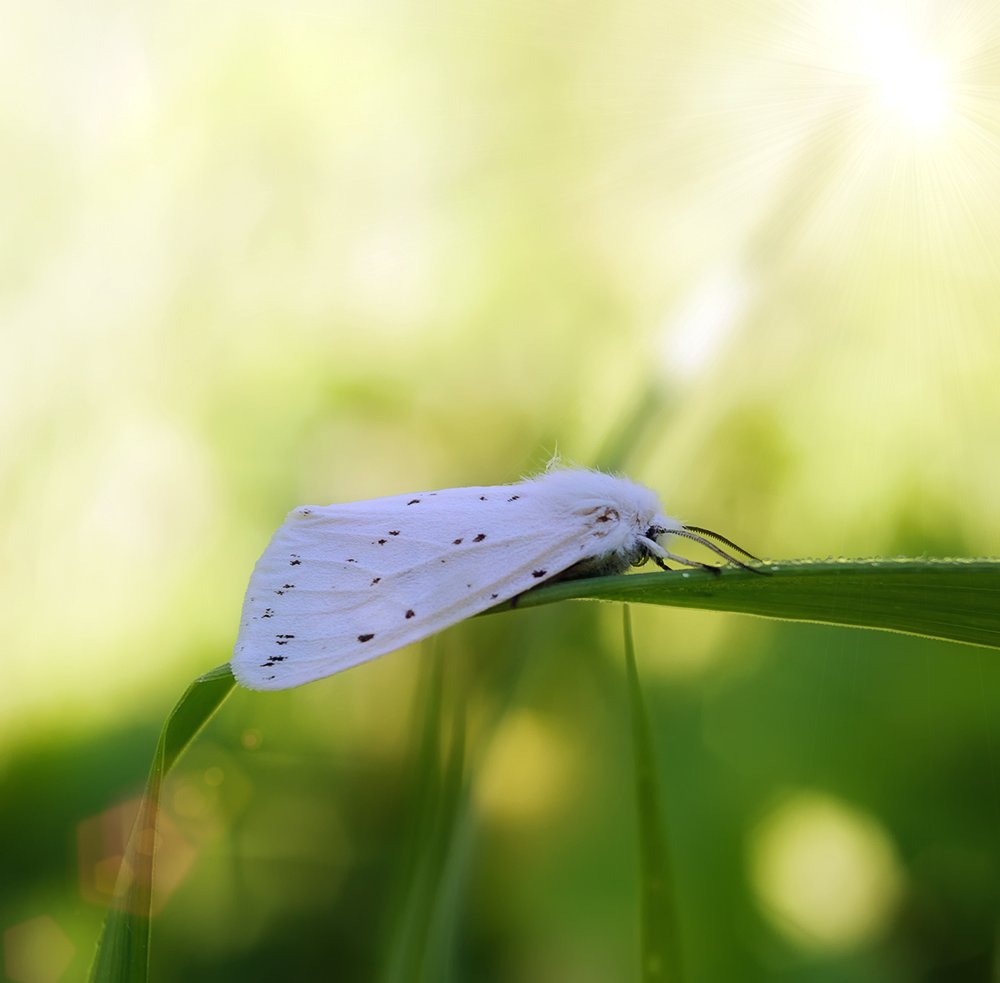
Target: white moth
<point>339,585</point>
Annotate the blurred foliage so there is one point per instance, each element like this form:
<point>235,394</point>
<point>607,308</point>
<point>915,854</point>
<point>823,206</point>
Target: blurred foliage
<point>259,255</point>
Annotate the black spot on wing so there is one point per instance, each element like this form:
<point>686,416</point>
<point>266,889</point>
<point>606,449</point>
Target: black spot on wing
<point>538,573</point>
<point>365,638</point>
<point>375,580</point>
<point>413,501</point>
<point>410,613</point>
<point>479,537</point>
<point>294,560</point>
<point>457,542</point>
<point>493,597</point>
<point>283,639</point>
<point>513,498</point>
<point>382,542</point>
<point>393,532</point>
<point>281,590</point>
<point>268,613</point>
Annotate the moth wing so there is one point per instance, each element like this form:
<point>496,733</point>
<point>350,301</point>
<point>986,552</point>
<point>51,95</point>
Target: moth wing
<point>342,584</point>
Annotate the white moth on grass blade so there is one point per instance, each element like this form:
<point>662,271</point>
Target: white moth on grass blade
<point>341,584</point>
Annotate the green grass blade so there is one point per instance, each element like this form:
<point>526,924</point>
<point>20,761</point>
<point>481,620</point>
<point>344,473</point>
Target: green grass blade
<point>658,922</point>
<point>957,600</point>
<point>428,868</point>
<point>123,950</point>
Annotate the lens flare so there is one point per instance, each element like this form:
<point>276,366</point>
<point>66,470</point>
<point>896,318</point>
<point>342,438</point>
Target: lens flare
<point>910,84</point>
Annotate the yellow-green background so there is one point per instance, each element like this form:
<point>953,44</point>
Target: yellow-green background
<point>254,255</point>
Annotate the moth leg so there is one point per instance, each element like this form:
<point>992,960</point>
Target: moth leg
<point>688,563</point>
<point>659,555</point>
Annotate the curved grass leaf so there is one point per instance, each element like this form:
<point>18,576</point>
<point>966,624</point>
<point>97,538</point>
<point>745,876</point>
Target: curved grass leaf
<point>428,873</point>
<point>958,600</point>
<point>123,950</point>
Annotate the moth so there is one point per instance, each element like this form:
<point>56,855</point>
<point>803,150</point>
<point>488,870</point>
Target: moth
<point>339,585</point>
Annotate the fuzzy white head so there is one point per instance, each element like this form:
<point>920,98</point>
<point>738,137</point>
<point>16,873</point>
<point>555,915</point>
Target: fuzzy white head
<point>625,518</point>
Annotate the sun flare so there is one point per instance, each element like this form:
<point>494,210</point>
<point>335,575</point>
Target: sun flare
<point>909,83</point>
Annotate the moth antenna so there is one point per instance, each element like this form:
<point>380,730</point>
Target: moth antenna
<point>722,539</point>
<point>688,533</point>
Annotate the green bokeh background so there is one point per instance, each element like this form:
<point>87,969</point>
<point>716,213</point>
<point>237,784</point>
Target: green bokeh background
<point>257,255</point>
